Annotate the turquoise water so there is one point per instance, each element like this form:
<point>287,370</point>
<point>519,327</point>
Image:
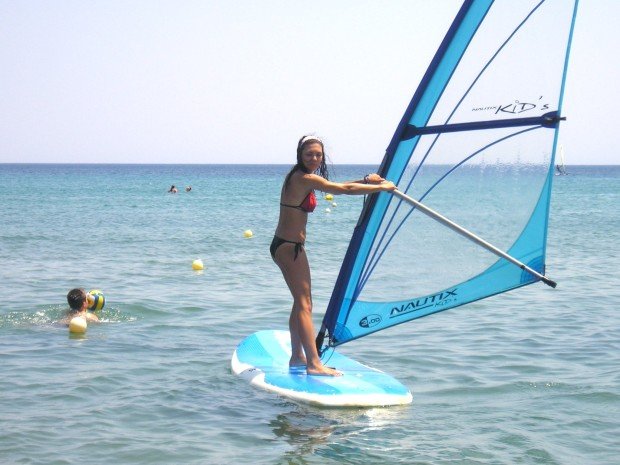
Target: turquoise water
<point>529,377</point>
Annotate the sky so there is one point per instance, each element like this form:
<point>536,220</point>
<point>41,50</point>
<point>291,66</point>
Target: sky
<point>205,81</point>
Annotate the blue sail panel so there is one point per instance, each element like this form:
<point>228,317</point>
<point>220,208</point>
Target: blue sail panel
<point>368,317</point>
<point>476,144</point>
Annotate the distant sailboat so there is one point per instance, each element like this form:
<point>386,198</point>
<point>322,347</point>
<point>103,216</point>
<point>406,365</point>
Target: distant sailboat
<point>560,168</point>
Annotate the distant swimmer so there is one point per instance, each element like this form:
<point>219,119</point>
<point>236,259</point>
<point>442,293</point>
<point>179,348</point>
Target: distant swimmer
<point>173,189</point>
<point>188,188</point>
<point>78,301</point>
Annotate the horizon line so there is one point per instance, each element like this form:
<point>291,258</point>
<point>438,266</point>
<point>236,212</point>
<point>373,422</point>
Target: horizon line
<point>241,164</point>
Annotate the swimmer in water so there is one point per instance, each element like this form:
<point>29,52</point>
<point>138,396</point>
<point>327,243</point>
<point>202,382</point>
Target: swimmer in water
<point>79,302</point>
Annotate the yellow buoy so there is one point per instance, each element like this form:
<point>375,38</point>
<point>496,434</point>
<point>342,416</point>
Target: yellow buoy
<point>329,197</point>
<point>198,265</point>
<point>78,325</point>
<point>248,233</point>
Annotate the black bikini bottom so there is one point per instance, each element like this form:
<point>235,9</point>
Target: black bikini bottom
<point>278,241</point>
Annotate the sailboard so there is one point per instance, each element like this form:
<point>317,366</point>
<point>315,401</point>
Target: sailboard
<point>473,158</point>
<point>262,359</point>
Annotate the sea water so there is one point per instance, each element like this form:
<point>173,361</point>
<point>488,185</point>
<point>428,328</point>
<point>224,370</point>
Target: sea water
<point>530,377</point>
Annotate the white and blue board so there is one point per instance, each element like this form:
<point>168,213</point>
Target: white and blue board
<point>262,359</point>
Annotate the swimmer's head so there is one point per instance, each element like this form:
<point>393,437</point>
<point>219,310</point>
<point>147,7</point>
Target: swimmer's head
<point>76,298</point>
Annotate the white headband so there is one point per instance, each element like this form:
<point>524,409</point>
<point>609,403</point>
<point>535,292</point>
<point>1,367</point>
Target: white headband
<point>308,138</point>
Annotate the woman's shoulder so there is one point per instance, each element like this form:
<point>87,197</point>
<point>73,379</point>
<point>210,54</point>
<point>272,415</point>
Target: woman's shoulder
<point>311,180</point>
<point>301,181</point>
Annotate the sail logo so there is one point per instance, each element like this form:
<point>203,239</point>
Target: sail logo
<point>370,320</point>
<point>514,108</point>
<point>436,300</point>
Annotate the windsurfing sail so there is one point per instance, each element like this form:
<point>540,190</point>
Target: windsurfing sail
<point>477,144</point>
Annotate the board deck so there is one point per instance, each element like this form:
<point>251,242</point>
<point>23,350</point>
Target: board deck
<point>262,359</point>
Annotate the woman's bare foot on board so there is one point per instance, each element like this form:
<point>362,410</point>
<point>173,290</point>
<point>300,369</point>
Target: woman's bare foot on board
<point>322,370</point>
<point>297,362</point>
